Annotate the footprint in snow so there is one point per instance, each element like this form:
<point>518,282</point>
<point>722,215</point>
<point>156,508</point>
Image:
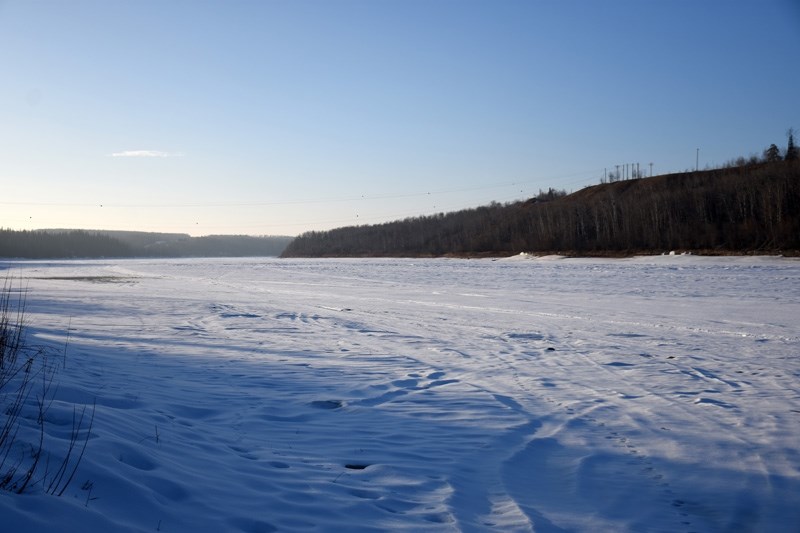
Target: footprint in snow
<point>405,383</point>
<point>327,404</point>
<point>365,494</point>
<point>718,403</point>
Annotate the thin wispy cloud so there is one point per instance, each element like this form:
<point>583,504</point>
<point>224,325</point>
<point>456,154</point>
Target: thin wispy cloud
<point>145,153</point>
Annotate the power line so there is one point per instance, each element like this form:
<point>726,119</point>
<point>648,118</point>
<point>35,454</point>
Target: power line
<point>303,201</point>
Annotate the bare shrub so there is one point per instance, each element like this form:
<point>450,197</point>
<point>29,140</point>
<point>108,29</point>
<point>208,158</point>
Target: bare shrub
<point>27,377</point>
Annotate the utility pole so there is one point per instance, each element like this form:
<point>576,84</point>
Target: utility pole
<point>651,170</point>
<point>697,161</point>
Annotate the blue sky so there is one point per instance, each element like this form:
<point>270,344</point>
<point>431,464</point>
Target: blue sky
<point>267,117</point>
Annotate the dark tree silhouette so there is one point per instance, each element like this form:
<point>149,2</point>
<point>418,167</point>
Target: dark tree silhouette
<point>791,149</point>
<point>772,154</point>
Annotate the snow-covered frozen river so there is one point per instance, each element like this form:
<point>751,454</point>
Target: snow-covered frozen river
<point>646,394</point>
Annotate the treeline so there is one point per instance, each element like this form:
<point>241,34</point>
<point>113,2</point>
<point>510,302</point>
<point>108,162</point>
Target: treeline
<point>68,244</point>
<point>754,207</point>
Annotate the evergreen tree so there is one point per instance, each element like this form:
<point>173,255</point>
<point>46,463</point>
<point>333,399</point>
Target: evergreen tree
<point>772,154</point>
<point>791,149</point>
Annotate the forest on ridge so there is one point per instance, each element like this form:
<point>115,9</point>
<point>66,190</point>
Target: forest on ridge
<point>750,207</point>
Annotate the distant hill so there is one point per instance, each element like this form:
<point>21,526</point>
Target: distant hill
<point>216,246</point>
<point>67,243</point>
<point>748,208</point>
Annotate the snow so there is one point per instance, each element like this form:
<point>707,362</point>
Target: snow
<point>555,394</point>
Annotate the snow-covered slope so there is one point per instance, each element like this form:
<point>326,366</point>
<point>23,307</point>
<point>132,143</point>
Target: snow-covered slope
<point>648,394</point>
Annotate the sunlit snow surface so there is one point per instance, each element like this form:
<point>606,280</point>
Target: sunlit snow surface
<point>646,394</point>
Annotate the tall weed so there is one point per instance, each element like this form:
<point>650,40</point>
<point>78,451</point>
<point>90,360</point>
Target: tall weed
<point>27,378</point>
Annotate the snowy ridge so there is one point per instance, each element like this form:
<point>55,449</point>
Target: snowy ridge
<point>646,394</point>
